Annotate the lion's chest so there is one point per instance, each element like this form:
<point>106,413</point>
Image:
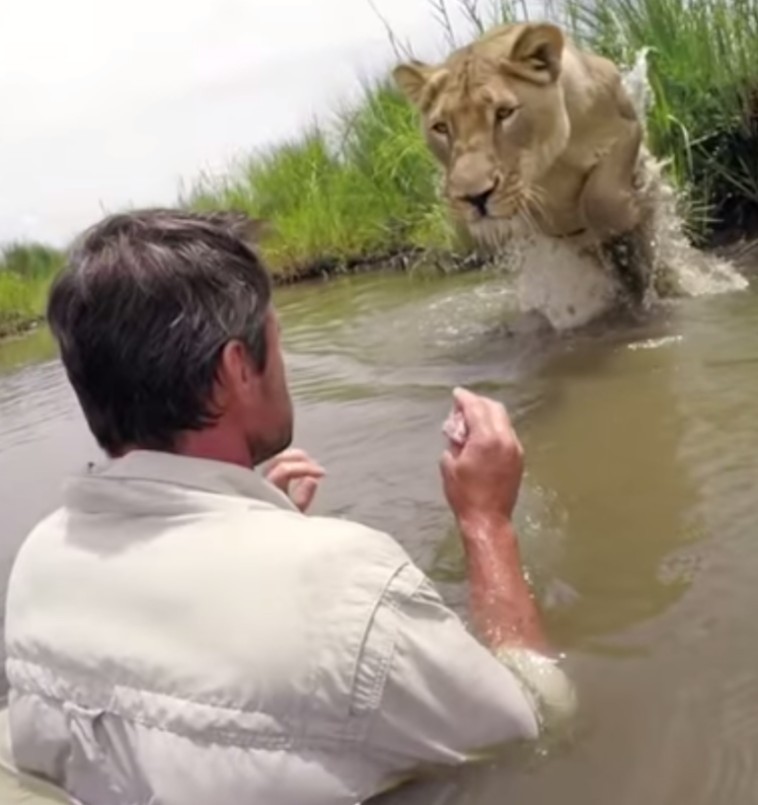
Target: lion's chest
<point>557,208</point>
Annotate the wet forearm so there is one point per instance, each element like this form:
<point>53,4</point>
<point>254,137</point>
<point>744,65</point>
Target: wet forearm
<point>502,608</point>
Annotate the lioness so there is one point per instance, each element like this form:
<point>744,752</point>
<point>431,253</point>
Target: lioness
<point>529,127</point>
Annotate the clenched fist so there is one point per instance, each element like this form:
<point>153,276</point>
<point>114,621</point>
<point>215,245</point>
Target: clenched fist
<point>481,473</point>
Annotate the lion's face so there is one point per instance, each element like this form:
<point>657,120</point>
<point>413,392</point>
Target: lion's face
<point>495,118</point>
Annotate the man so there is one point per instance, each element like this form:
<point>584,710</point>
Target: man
<point>180,631</point>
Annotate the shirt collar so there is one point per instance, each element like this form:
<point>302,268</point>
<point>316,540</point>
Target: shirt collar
<point>174,470</point>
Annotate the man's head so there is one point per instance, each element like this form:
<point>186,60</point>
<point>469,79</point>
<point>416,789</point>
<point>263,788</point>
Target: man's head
<point>169,338</point>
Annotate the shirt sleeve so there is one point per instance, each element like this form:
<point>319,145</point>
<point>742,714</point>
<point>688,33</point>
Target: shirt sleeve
<point>445,698</point>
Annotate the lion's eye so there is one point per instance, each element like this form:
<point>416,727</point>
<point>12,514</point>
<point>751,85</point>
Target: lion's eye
<point>441,128</point>
<point>503,113</point>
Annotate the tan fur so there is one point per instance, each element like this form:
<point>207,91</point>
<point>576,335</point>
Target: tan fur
<point>562,154</point>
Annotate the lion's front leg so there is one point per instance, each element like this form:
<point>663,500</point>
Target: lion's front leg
<point>608,201</point>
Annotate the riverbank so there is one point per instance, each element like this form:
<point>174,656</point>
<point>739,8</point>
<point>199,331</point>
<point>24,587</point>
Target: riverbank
<point>366,187</point>
<point>23,297</point>
<point>365,191</point>
<point>26,271</point>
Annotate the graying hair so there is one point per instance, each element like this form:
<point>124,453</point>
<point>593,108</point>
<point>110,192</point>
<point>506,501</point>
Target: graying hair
<point>142,311</point>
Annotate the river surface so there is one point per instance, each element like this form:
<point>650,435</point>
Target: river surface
<point>638,516</point>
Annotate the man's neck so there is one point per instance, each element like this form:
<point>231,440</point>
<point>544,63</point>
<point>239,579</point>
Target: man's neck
<point>201,445</point>
<point>215,443</point>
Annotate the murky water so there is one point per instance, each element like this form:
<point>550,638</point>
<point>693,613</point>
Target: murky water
<point>639,515</point>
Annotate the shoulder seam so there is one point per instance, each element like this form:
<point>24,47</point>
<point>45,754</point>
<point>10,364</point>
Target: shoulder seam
<point>367,692</point>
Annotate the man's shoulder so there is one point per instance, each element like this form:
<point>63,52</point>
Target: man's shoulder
<point>47,527</point>
<point>309,533</point>
<point>362,556</point>
<point>242,526</point>
<point>282,552</point>
<point>356,537</point>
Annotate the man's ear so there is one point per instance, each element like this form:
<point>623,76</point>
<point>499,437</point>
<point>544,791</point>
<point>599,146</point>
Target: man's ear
<point>536,53</point>
<point>236,373</point>
<point>419,82</point>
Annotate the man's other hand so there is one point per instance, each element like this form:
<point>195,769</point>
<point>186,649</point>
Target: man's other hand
<point>297,475</point>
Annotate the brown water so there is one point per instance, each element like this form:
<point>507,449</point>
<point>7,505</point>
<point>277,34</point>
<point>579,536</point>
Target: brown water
<point>638,517</point>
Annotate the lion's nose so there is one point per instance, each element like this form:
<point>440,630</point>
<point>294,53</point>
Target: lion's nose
<point>479,200</point>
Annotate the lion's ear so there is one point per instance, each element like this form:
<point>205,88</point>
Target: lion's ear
<point>536,53</point>
<point>414,79</point>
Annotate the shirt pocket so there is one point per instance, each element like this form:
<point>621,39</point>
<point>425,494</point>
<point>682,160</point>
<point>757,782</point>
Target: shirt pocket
<point>101,768</point>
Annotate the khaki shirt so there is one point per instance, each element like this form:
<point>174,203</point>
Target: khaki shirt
<point>179,632</point>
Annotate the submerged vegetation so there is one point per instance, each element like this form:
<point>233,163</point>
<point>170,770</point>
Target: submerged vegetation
<point>365,189</point>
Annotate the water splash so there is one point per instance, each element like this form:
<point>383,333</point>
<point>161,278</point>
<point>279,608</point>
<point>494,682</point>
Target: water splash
<point>678,267</point>
<point>637,85</point>
<point>572,282</point>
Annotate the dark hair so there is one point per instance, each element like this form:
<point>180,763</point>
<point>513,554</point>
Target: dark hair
<point>141,313</point>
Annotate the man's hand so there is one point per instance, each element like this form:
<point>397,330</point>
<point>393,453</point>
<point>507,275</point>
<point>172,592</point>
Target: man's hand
<point>481,477</point>
<point>297,475</point>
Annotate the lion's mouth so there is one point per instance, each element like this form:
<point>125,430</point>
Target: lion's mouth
<point>480,201</point>
<point>486,206</point>
<point>491,211</point>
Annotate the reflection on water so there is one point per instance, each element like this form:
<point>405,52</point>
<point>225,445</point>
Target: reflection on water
<point>637,518</point>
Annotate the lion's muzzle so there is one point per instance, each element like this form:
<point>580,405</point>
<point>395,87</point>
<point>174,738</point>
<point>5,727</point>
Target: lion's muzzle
<point>479,200</point>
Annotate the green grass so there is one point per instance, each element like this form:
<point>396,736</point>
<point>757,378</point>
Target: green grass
<point>365,188</point>
<point>26,271</point>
